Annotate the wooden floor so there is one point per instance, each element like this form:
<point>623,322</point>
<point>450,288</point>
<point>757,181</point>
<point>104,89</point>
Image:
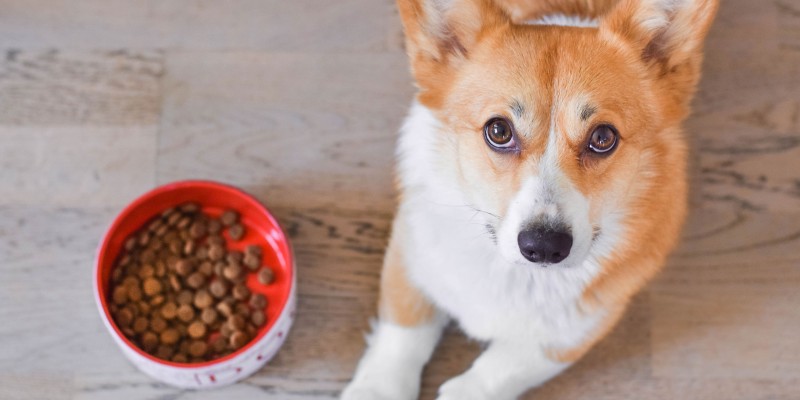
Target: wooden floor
<point>299,102</point>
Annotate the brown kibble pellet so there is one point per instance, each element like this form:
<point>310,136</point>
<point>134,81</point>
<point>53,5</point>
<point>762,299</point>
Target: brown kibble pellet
<point>174,283</point>
<point>242,309</point>
<point>258,301</point>
<point>225,309</point>
<point>134,293</point>
<point>190,208</point>
<point>215,240</point>
<point>209,316</point>
<point>147,271</point>
<point>149,341</point>
<point>144,307</point>
<point>173,218</point>
<point>229,217</point>
<point>232,272</point>
<point>183,223</point>
<point>266,276</point>
<point>144,239</point>
<point>185,297</point>
<point>201,253</point>
<point>198,229</point>
<point>162,230</point>
<point>196,280</point>
<point>206,268</point>
<point>253,249</point>
<point>185,313</point>
<point>189,247</point>
<point>120,295</point>
<point>175,246</point>
<point>161,268</point>
<point>218,288</point>
<point>236,232</point>
<point>180,358</point>
<point>241,292</point>
<point>258,318</point>
<point>203,299</point>
<point>148,256</point>
<point>158,324</point>
<point>130,244</point>
<point>216,252</point>
<point>252,261</point>
<point>234,257</point>
<point>184,267</point>
<point>169,311</point>
<point>226,331</point>
<point>236,322</point>
<point>197,329</point>
<point>152,286</point>
<point>198,348</point>
<point>238,339</point>
<point>170,336</point>
<point>214,226</point>
<point>157,301</point>
<point>124,317</point>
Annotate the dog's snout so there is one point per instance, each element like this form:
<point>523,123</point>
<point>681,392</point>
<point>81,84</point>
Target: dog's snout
<point>544,245</point>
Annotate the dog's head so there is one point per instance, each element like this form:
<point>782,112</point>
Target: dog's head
<point>566,134</point>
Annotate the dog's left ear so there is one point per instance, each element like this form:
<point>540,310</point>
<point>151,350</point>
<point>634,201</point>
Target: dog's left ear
<point>668,35</point>
<point>666,31</point>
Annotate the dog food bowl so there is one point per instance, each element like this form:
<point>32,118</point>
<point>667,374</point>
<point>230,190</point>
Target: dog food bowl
<point>261,228</point>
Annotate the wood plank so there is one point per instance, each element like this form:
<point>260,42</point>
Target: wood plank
<point>281,126</point>
<point>298,25</point>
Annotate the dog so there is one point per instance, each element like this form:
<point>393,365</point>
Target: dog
<point>542,179</point>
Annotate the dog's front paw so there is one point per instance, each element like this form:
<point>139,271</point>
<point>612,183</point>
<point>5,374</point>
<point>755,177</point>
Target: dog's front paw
<point>361,392</point>
<point>382,387</point>
<point>462,387</point>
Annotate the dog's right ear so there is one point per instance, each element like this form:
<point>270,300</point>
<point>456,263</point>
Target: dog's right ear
<point>441,33</point>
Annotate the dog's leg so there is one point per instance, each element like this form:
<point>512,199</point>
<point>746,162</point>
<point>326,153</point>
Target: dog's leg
<point>503,372</point>
<point>511,366</point>
<point>403,338</point>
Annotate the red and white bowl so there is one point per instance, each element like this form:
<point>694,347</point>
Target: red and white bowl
<point>260,228</point>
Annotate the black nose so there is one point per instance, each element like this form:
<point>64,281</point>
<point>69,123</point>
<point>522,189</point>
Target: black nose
<point>544,245</point>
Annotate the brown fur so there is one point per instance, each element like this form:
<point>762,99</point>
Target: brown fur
<point>400,302</point>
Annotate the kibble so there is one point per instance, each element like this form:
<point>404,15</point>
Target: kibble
<point>178,292</point>
<point>197,330</point>
<point>185,313</point>
<point>266,276</point>
<point>236,232</point>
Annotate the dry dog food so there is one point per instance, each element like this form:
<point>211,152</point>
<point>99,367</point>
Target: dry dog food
<point>178,292</point>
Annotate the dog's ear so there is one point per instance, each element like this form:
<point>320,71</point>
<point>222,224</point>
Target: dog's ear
<point>441,33</point>
<point>668,36</point>
<point>666,31</point>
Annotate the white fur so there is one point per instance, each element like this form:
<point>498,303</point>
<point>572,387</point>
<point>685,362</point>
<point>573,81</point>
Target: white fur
<point>494,294</point>
<point>392,366</point>
<point>564,20</point>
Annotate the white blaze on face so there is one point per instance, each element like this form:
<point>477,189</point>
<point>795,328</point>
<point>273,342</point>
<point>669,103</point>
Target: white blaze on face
<point>547,196</point>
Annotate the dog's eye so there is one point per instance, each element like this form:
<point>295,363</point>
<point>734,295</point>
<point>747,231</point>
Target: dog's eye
<point>603,139</point>
<point>499,133</point>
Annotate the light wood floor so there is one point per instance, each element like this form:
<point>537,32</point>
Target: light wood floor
<point>298,102</point>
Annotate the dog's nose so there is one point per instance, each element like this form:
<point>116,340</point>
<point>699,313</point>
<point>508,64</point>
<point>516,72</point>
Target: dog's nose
<point>544,245</point>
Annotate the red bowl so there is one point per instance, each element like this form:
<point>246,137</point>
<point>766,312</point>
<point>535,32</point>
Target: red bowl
<point>261,228</point>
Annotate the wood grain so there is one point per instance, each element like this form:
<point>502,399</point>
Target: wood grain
<point>299,103</point>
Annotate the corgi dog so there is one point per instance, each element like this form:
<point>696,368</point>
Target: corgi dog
<point>542,177</point>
